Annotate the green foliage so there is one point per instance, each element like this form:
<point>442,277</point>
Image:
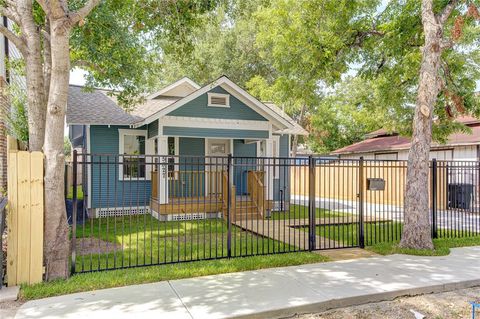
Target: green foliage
<point>391,59</point>
<point>121,42</point>
<point>344,116</point>
<point>223,45</point>
<point>67,146</point>
<point>17,118</point>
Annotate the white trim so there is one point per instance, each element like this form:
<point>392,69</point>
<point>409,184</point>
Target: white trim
<point>231,88</point>
<point>121,145</point>
<point>173,85</point>
<point>89,172</point>
<point>199,122</point>
<point>276,153</point>
<point>220,95</point>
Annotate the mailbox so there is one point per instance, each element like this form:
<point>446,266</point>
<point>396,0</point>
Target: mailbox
<point>375,184</point>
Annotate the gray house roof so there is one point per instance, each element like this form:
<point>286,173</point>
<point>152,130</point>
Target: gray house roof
<point>96,108</point>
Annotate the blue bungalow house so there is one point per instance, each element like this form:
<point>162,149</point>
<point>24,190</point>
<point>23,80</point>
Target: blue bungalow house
<point>167,157</point>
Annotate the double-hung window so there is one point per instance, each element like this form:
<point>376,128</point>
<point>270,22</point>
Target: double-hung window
<point>132,149</point>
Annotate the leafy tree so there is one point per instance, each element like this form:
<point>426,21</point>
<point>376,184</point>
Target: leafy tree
<point>54,35</point>
<point>306,42</point>
<point>344,116</point>
<point>223,45</point>
<point>424,61</point>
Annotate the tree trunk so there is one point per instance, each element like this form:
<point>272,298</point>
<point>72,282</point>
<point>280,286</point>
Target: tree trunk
<point>417,229</point>
<point>295,137</point>
<point>57,247</point>
<point>37,105</point>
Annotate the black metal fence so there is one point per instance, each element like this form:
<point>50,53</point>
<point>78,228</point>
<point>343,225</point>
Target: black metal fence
<point>132,210</point>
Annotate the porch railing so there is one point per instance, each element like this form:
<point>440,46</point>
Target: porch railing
<point>256,189</point>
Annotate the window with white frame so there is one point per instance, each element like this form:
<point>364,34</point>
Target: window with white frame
<point>173,151</point>
<point>133,148</point>
<point>218,100</point>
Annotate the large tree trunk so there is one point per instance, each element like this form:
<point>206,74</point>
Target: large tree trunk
<point>57,248</point>
<point>36,97</point>
<point>417,229</point>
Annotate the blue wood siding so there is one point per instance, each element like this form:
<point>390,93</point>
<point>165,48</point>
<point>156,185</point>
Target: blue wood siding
<point>244,165</point>
<point>107,190</point>
<point>213,132</point>
<point>191,180</point>
<point>199,108</point>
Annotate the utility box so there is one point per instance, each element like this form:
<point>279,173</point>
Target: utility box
<point>375,184</point>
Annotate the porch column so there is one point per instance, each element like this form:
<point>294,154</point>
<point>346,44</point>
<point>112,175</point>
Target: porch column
<point>163,170</point>
<point>269,171</point>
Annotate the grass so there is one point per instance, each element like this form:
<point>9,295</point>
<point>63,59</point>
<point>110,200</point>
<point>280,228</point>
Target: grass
<point>442,247</point>
<point>114,242</point>
<point>79,192</point>
<point>348,234</point>
<point>301,212</point>
<point>140,275</point>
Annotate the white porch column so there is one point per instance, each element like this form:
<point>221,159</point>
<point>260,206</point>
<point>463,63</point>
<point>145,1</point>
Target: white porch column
<point>269,171</point>
<point>163,170</point>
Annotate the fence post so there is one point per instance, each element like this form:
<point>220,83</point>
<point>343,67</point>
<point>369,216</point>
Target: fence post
<point>434,198</point>
<point>229,206</point>
<point>74,212</point>
<point>361,178</point>
<point>311,204</point>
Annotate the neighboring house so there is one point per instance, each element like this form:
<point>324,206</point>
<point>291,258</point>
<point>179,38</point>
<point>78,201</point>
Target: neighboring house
<point>182,119</point>
<point>382,145</point>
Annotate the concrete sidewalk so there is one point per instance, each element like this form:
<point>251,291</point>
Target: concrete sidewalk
<point>273,292</point>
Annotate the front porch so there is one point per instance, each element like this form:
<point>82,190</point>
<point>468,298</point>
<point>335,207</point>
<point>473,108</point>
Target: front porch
<point>187,195</point>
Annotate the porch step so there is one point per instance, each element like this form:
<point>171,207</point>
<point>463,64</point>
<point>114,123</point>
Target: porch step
<point>246,211</point>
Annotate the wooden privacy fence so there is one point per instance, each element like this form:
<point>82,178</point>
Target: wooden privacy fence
<point>25,216</point>
<point>340,180</point>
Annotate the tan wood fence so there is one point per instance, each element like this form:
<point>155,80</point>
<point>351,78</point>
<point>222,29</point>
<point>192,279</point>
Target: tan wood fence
<point>25,216</point>
<point>339,180</point>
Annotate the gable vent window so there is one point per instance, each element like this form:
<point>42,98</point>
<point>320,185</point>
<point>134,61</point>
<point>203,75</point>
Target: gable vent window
<point>218,100</point>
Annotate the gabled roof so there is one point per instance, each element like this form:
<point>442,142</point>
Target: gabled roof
<point>96,108</point>
<point>168,90</point>
<point>381,140</point>
<point>233,89</point>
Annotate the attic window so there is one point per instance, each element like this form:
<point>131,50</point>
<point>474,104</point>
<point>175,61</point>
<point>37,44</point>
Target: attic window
<point>218,100</point>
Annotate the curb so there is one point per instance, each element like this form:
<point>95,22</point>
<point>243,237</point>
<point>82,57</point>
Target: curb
<point>360,300</point>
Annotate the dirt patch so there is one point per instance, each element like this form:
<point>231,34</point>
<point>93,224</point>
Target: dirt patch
<point>451,305</point>
<point>87,246</point>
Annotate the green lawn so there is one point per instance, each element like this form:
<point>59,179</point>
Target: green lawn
<point>79,193</point>
<point>123,277</point>
<point>442,247</point>
<point>301,212</point>
<point>348,233</point>
<point>142,239</point>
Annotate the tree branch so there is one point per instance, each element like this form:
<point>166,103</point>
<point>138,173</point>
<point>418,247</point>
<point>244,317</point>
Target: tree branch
<point>10,14</point>
<point>16,40</point>
<point>447,11</point>
<point>81,13</point>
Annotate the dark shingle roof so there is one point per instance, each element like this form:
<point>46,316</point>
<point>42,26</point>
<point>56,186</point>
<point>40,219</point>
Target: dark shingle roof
<point>86,107</point>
